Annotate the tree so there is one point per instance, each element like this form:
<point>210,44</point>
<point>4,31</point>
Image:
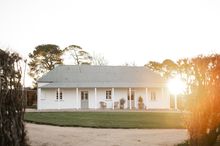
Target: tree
<point>98,59</point>
<point>204,123</point>
<point>167,68</point>
<point>129,64</point>
<point>12,107</point>
<point>77,55</point>
<point>43,59</point>
<point>202,75</point>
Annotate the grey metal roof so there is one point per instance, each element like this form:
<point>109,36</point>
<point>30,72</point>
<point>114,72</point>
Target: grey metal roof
<point>69,76</point>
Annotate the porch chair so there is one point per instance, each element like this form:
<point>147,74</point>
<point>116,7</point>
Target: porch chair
<point>116,105</point>
<point>103,104</point>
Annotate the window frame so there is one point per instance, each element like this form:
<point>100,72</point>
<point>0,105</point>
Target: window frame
<point>84,95</point>
<point>108,94</point>
<point>132,95</point>
<point>153,96</point>
<point>59,95</point>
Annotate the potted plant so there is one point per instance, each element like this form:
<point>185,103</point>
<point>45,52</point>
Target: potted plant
<point>140,103</point>
<point>122,102</point>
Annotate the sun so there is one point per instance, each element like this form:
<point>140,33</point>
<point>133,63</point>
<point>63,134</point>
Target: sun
<point>176,85</point>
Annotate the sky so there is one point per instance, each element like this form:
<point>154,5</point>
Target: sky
<point>123,31</point>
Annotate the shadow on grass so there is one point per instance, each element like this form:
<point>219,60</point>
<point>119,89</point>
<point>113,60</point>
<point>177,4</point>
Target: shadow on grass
<point>186,143</point>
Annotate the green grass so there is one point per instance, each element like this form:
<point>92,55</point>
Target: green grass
<point>108,119</point>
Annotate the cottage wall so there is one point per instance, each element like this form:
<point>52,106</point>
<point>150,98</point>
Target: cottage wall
<point>47,98</point>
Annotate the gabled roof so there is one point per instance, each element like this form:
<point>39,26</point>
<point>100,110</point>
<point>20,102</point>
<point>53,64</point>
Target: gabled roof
<point>69,76</point>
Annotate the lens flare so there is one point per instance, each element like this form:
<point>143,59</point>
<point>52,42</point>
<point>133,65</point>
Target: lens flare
<point>176,86</point>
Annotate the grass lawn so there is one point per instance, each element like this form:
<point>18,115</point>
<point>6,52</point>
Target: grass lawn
<point>108,119</point>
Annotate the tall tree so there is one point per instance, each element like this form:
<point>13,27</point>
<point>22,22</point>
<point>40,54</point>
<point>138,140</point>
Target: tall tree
<point>204,123</point>
<point>43,59</point>
<point>98,59</point>
<point>77,55</point>
<point>167,68</point>
<point>202,75</point>
<point>12,108</point>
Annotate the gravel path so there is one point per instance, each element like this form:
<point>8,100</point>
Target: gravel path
<point>44,135</point>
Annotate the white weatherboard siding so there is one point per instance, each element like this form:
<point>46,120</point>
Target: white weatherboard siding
<point>162,99</point>
<point>47,98</point>
<point>121,93</point>
<point>101,96</point>
<point>39,103</point>
<point>69,99</point>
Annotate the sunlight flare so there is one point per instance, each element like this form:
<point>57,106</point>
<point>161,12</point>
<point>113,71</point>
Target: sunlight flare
<point>176,85</point>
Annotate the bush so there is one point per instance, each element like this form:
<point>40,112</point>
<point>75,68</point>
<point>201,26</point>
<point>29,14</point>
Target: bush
<point>122,102</point>
<point>12,129</point>
<point>140,103</point>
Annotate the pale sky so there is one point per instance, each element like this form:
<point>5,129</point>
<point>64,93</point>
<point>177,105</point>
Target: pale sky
<point>121,30</point>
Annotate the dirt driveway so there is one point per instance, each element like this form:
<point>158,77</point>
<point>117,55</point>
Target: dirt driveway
<point>43,135</point>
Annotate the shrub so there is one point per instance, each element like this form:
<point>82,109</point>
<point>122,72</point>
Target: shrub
<point>122,102</point>
<point>140,103</point>
<point>12,108</point>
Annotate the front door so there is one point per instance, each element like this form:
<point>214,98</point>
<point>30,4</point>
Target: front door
<point>132,100</point>
<point>84,99</point>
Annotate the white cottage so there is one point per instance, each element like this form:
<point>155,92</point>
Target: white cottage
<point>95,87</point>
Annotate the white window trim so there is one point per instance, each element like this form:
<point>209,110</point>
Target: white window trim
<point>151,97</point>
<point>82,93</point>
<point>58,97</point>
<point>134,93</point>
<point>108,93</point>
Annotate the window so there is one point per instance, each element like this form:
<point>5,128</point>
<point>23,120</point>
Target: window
<point>132,95</point>
<point>84,95</point>
<point>153,95</point>
<point>61,95</point>
<point>109,94</point>
<point>57,95</point>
